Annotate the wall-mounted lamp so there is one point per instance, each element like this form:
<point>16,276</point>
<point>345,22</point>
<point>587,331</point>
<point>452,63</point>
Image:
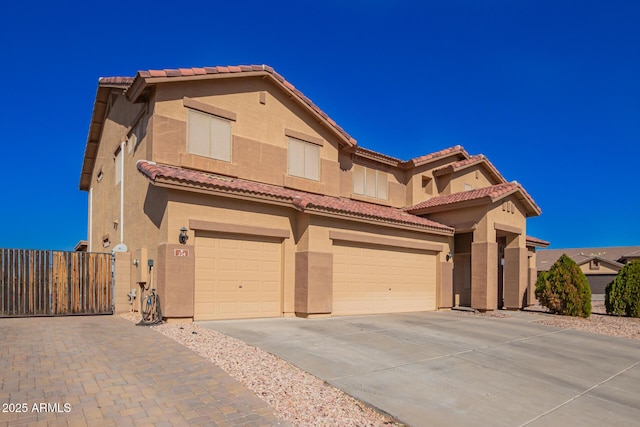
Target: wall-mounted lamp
<point>449,255</point>
<point>135,262</point>
<point>183,236</point>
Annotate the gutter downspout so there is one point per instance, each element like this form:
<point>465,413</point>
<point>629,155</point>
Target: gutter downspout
<point>122,145</point>
<point>90,225</point>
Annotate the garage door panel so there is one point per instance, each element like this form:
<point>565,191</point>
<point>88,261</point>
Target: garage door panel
<point>375,279</point>
<point>237,278</point>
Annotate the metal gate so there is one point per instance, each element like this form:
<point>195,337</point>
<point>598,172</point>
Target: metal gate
<point>54,283</point>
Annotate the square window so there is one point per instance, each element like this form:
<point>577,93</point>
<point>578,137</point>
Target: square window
<point>369,182</point>
<point>208,136</point>
<point>304,159</point>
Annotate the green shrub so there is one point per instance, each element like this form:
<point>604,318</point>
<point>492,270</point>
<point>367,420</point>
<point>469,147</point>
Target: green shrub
<point>564,289</point>
<point>622,296</point>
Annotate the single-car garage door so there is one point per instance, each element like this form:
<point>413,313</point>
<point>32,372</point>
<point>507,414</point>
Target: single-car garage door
<point>237,277</point>
<point>380,279</point>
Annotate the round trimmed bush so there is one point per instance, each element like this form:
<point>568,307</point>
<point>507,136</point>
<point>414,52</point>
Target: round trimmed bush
<point>564,289</point>
<point>622,296</point>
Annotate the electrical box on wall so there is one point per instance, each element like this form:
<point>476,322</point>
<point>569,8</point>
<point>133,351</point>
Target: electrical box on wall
<point>142,270</point>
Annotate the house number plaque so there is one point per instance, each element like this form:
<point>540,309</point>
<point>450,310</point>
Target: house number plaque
<point>181,252</point>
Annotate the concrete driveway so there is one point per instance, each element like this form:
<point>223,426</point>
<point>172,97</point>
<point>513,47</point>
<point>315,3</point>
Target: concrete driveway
<point>452,368</point>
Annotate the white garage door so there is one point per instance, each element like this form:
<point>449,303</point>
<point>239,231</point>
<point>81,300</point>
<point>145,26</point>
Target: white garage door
<point>237,278</point>
<point>375,279</point>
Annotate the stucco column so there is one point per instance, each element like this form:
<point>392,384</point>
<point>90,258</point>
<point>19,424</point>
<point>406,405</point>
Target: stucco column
<point>314,283</point>
<point>122,284</point>
<point>516,274</point>
<point>484,275</point>
<point>175,279</point>
<point>446,285</point>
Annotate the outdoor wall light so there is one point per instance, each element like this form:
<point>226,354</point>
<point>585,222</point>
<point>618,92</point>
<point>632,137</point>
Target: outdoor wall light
<point>449,255</point>
<point>183,235</point>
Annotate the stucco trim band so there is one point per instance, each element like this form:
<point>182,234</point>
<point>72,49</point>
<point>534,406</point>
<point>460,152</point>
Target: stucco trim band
<point>383,241</point>
<point>304,137</point>
<point>209,109</point>
<point>196,224</point>
<point>507,228</point>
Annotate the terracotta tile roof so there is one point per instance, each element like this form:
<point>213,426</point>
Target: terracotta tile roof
<point>492,193</point>
<point>534,241</point>
<point>374,155</point>
<point>237,69</point>
<point>473,160</point>
<point>301,200</point>
<point>115,81</point>
<point>438,154</point>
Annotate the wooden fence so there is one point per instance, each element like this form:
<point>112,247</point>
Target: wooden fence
<point>52,283</point>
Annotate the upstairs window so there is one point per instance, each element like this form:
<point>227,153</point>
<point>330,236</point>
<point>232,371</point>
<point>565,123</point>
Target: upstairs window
<point>208,136</point>
<point>369,182</point>
<point>304,159</point>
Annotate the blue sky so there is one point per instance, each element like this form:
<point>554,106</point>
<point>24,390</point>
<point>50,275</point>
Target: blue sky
<point>549,91</point>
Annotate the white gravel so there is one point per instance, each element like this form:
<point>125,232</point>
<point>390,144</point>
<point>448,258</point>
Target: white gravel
<point>295,395</point>
<point>305,400</point>
<point>599,322</point>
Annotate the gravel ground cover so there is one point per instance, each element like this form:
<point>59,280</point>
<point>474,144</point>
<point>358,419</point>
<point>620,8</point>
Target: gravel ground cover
<point>295,395</point>
<point>599,322</point>
<point>305,400</point>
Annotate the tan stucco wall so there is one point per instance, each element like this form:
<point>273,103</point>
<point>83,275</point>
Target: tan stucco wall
<point>144,205</point>
<point>475,176</point>
<point>259,145</point>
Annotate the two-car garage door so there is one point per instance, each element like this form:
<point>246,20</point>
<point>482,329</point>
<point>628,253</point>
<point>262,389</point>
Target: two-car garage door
<point>237,277</point>
<point>371,279</point>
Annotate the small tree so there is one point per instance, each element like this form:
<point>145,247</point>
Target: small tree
<point>622,296</point>
<point>564,289</point>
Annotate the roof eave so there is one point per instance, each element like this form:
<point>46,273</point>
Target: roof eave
<point>159,180</point>
<point>98,116</point>
<point>140,86</point>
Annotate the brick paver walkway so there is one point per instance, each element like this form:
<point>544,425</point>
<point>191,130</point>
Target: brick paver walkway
<point>105,371</point>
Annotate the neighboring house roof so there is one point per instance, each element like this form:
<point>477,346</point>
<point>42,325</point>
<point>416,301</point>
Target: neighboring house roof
<point>479,159</point>
<point>534,241</point>
<point>633,254</point>
<point>148,77</point>
<point>616,254</point>
<point>161,174</point>
<point>473,197</point>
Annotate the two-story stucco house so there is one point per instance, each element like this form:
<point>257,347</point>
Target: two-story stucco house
<point>281,212</point>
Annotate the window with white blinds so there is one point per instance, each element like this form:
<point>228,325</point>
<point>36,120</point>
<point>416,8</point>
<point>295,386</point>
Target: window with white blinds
<point>208,136</point>
<point>304,159</point>
<point>370,182</point>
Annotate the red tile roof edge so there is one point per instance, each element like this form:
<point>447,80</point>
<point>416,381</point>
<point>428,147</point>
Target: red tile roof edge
<point>493,193</point>
<point>457,149</point>
<point>299,199</point>
<point>473,160</point>
<point>188,72</point>
<point>115,81</point>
